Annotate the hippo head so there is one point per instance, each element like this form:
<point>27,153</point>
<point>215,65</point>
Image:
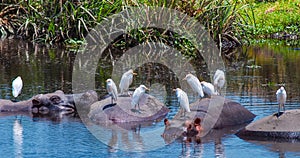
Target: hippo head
<point>177,129</point>
<point>56,101</point>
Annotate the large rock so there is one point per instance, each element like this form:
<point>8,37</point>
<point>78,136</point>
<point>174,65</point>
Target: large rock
<point>284,127</point>
<point>123,112</point>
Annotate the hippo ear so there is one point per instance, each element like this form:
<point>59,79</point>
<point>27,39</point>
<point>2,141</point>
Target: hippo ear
<point>35,102</point>
<point>55,99</point>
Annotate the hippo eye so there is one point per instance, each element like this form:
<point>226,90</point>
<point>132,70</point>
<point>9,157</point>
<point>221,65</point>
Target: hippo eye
<point>55,99</point>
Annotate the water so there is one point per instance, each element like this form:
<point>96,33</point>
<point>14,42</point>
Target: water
<point>253,83</point>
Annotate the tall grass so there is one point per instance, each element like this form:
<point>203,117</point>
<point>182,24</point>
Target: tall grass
<point>61,21</point>
<point>56,21</point>
<point>224,19</point>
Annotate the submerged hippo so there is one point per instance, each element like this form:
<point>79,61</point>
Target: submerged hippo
<point>230,114</point>
<point>123,112</point>
<point>285,127</point>
<point>44,103</point>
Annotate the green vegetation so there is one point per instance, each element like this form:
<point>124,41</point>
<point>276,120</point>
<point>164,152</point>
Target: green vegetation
<point>228,21</point>
<point>53,21</point>
<point>275,19</point>
<point>68,22</point>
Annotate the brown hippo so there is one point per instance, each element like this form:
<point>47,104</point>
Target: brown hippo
<point>285,127</point>
<point>123,112</point>
<point>216,112</point>
<point>56,101</point>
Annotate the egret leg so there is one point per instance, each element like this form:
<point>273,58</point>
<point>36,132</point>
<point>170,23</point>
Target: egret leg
<point>112,100</point>
<point>219,92</point>
<point>135,106</point>
<point>283,108</point>
<point>182,113</point>
<point>278,110</point>
<point>138,107</point>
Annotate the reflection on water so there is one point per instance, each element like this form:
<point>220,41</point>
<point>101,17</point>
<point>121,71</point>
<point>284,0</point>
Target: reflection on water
<point>252,82</point>
<point>265,70</point>
<point>195,148</point>
<point>18,138</point>
<point>43,70</point>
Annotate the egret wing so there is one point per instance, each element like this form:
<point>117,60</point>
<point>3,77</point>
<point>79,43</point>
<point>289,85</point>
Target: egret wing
<point>17,85</point>
<point>136,96</point>
<point>114,91</point>
<point>196,86</point>
<point>184,101</point>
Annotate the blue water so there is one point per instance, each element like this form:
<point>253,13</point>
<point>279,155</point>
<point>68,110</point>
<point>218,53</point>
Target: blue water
<point>72,139</point>
<point>21,135</point>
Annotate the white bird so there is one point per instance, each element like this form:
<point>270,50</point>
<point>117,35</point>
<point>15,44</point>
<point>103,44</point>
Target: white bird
<point>17,85</point>
<point>126,81</point>
<point>137,94</point>
<point>183,100</point>
<point>208,88</point>
<point>219,80</point>
<point>281,98</point>
<point>112,89</point>
<point>194,84</point>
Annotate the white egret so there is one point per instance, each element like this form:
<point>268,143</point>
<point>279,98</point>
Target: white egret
<point>219,80</point>
<point>208,88</point>
<point>17,85</point>
<point>183,100</point>
<point>281,98</point>
<point>194,84</point>
<point>126,80</point>
<point>112,89</point>
<point>137,94</point>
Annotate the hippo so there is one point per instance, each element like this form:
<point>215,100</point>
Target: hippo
<point>284,127</point>
<point>43,103</point>
<point>232,114</point>
<point>123,112</point>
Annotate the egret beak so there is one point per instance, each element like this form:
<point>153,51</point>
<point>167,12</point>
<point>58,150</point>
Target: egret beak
<point>148,89</point>
<point>184,79</point>
<point>106,80</point>
<point>174,90</point>
<point>134,73</point>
